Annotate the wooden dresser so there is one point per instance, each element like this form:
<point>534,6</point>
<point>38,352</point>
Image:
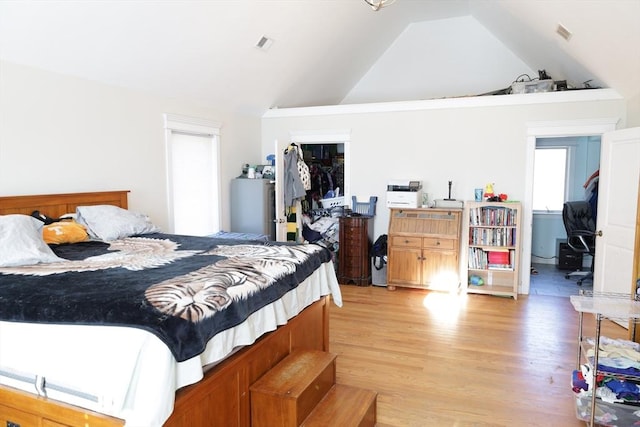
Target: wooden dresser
<point>354,262</point>
<point>423,249</point>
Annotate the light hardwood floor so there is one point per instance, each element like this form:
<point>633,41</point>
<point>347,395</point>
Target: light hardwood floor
<point>446,360</point>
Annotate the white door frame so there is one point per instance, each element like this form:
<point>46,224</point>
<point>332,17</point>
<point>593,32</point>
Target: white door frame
<point>549,129</point>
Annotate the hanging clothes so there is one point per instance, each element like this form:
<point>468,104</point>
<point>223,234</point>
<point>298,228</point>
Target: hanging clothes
<point>293,187</point>
<point>591,192</point>
<point>303,170</point>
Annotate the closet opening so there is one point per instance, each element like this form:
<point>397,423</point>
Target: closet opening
<point>326,153</point>
<point>326,167</point>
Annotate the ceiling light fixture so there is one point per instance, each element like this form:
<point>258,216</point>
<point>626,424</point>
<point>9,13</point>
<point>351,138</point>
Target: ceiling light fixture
<point>378,4</point>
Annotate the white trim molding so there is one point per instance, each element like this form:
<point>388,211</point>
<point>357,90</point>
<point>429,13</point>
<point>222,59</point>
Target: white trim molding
<point>447,103</point>
<point>194,125</point>
<point>304,136</point>
<point>571,127</point>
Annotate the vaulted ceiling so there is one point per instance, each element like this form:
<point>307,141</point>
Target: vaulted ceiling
<point>323,52</point>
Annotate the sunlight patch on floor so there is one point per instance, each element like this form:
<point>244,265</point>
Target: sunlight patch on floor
<point>445,306</point>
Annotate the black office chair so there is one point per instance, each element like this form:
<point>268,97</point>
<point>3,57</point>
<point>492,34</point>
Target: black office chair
<point>581,234</point>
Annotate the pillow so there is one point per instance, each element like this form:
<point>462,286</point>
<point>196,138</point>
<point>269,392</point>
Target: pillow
<point>106,222</point>
<point>21,242</point>
<point>64,232</point>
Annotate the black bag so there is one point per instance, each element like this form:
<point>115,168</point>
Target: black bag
<point>44,218</point>
<point>379,252</point>
<point>310,234</point>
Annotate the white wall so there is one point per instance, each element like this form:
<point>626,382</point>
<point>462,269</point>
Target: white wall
<point>470,141</point>
<point>62,134</point>
<point>633,111</point>
<point>441,58</point>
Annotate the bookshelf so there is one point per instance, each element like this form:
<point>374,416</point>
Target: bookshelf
<point>493,247</point>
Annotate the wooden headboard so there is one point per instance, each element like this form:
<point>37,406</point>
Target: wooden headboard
<point>56,205</point>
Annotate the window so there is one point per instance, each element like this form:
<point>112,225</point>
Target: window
<point>193,175</point>
<point>550,178</point>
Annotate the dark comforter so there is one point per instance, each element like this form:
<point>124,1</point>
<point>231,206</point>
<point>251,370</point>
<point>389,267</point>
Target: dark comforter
<point>183,289</point>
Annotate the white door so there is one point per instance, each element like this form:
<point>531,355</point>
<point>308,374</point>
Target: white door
<point>281,215</point>
<point>617,204</point>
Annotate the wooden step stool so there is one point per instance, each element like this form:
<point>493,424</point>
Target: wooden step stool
<point>344,406</point>
<point>301,390</point>
<point>287,393</point>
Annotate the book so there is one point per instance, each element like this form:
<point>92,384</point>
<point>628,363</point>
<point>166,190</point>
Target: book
<point>499,258</point>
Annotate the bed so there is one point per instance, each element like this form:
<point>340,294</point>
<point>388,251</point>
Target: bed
<point>67,361</point>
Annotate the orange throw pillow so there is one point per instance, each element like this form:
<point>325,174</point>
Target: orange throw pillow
<point>64,232</point>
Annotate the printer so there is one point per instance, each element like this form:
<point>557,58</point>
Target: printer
<point>404,194</point>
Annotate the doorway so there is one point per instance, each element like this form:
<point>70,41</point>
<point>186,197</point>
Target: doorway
<point>542,130</point>
<point>563,171</point>
<point>326,167</point>
<point>309,139</point>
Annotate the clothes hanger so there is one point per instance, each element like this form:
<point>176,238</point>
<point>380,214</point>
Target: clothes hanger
<point>291,146</point>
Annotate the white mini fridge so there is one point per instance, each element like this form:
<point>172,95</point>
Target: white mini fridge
<point>253,206</point>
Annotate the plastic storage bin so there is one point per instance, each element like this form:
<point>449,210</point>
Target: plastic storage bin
<point>378,277</point>
<point>607,414</point>
<point>364,208</point>
<point>332,203</point>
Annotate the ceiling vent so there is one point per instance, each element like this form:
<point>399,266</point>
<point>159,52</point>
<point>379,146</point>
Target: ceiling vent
<point>564,33</point>
<point>264,43</point>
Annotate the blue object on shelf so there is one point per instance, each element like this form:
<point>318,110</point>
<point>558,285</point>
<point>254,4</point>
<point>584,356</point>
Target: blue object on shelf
<point>476,280</point>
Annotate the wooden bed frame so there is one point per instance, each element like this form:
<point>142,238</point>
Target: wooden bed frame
<point>220,399</point>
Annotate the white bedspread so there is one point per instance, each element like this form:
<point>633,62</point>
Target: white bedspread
<point>127,372</point>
